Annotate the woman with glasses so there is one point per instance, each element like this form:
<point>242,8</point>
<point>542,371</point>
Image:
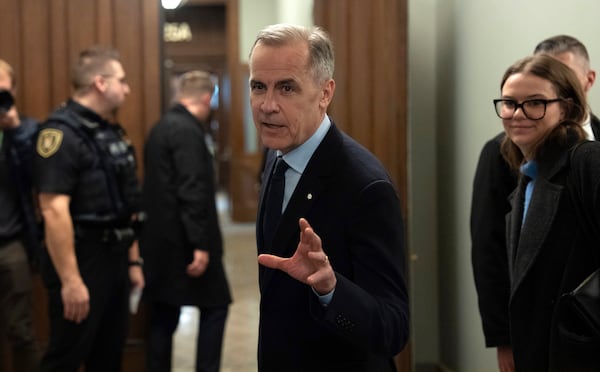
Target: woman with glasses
<point>550,247</point>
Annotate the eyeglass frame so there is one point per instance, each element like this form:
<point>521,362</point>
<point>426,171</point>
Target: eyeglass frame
<point>522,106</point>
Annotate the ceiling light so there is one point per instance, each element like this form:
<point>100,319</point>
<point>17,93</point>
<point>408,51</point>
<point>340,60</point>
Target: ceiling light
<point>172,4</point>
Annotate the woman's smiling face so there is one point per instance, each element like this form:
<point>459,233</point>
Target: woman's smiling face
<point>524,132</point>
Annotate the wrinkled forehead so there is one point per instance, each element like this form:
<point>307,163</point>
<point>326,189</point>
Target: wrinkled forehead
<point>277,61</point>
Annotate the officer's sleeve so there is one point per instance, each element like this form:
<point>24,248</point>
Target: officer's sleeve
<point>55,162</point>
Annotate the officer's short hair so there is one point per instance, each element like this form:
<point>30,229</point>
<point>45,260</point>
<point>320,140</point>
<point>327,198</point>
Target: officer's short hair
<point>6,67</point>
<point>194,82</point>
<point>562,44</point>
<point>91,62</point>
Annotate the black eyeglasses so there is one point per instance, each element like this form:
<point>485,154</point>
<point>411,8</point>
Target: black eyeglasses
<point>533,109</point>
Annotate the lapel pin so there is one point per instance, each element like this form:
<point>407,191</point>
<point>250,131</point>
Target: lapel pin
<point>309,196</point>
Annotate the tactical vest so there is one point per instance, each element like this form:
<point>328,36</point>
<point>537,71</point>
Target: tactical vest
<point>108,192</point>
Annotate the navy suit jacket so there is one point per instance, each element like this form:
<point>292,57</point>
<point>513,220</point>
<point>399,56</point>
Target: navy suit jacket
<point>349,200</point>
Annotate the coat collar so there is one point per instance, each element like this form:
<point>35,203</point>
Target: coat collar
<point>525,239</point>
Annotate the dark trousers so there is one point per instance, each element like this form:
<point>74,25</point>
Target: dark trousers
<point>98,341</point>
<point>16,307</point>
<point>162,323</point>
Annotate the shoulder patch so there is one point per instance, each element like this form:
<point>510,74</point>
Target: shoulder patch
<point>49,141</point>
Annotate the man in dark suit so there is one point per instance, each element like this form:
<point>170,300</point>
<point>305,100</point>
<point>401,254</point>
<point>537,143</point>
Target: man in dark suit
<point>181,243</point>
<point>493,183</point>
<point>331,274</point>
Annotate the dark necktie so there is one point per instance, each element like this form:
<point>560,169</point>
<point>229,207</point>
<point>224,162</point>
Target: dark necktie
<point>274,201</point>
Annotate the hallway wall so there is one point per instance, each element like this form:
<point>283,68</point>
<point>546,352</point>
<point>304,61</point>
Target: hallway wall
<point>458,50</point>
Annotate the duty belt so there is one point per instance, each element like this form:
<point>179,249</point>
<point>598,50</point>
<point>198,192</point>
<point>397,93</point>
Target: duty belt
<point>106,235</point>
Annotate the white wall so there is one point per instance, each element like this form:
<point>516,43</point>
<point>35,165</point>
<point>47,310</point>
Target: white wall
<point>458,50</point>
<point>422,181</point>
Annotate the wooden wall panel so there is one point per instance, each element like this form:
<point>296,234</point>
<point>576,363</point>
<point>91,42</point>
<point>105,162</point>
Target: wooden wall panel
<point>80,27</point>
<point>59,59</point>
<point>10,38</point>
<point>104,30</point>
<point>361,63</point>
<point>151,88</point>
<point>35,37</point>
<point>370,73</point>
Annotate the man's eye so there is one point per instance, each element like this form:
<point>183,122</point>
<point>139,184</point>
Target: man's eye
<point>509,104</point>
<point>255,86</point>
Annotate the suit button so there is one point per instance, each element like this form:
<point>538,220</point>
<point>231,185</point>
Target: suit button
<point>344,323</point>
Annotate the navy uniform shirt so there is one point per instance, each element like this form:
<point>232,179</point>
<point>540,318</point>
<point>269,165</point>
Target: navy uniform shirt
<point>68,162</point>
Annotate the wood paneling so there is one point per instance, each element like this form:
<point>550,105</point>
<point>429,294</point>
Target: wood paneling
<point>244,166</point>
<point>41,40</point>
<point>370,101</point>
<point>370,74</point>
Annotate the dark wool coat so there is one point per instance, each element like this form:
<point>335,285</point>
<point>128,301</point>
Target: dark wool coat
<point>493,183</point>
<point>549,255</point>
<point>179,199</point>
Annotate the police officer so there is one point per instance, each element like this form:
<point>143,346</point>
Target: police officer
<point>89,196</point>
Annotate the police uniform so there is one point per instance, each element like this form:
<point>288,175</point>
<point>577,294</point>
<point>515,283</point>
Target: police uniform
<point>82,155</point>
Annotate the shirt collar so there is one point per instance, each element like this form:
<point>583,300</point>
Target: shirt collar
<point>587,127</point>
<point>85,112</point>
<point>298,158</point>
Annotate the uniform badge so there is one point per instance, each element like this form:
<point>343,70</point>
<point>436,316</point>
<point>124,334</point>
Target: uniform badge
<point>48,142</point>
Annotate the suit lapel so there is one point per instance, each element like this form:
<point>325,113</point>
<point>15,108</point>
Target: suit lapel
<point>538,222</point>
<point>265,179</point>
<point>542,210</point>
<point>513,223</point>
<point>308,190</point>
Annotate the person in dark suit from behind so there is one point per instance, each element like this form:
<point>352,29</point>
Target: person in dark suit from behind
<point>493,183</point>
<point>331,273</point>
<point>181,242</point>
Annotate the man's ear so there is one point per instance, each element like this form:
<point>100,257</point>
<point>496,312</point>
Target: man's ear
<point>206,98</point>
<point>591,78</point>
<point>327,93</point>
<point>99,83</point>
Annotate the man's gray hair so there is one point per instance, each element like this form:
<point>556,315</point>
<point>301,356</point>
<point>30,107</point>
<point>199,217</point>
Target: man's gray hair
<point>321,58</point>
